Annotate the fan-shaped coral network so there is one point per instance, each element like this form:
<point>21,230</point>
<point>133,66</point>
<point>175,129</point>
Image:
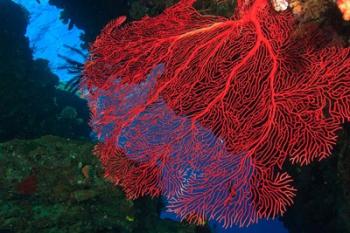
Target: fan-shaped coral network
<point>205,110</point>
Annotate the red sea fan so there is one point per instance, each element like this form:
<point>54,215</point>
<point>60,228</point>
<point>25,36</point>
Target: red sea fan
<point>205,110</point>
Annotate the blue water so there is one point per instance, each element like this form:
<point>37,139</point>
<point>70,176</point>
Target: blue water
<point>264,226</point>
<point>48,37</point>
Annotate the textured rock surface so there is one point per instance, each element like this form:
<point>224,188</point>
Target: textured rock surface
<point>53,184</point>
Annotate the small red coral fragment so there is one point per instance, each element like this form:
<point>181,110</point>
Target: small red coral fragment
<point>205,110</point>
<point>28,185</point>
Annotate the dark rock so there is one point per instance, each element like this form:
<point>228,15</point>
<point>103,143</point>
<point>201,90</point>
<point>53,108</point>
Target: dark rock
<point>91,16</point>
<point>322,204</point>
<point>30,104</point>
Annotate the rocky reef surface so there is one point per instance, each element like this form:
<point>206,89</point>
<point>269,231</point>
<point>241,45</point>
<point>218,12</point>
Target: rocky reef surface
<point>54,184</point>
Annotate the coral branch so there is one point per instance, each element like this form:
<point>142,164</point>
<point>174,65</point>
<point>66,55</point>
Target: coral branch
<point>205,110</point>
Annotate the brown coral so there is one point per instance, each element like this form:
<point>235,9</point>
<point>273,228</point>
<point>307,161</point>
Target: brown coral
<point>344,7</point>
<point>310,10</point>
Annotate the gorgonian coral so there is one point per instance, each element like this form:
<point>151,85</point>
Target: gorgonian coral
<point>205,110</point>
